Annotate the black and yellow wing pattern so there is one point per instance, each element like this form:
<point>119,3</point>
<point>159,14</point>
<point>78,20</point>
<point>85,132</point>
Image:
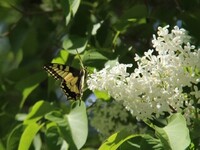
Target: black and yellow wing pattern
<point>72,80</point>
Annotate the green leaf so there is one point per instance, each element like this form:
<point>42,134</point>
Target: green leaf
<point>67,10</point>
<point>19,34</point>
<point>62,58</point>
<point>27,85</point>
<point>93,55</point>
<point>28,135</point>
<point>2,146</point>
<point>13,59</point>
<point>38,111</point>
<point>62,126</point>
<point>13,139</point>
<point>37,142</point>
<point>96,28</point>
<point>70,8</point>
<point>94,58</point>
<point>195,130</point>
<point>136,14</point>
<point>73,43</point>
<point>101,95</point>
<point>126,140</point>
<point>117,139</point>
<point>150,143</point>
<point>78,123</point>
<point>57,117</point>
<point>53,139</point>
<point>74,6</point>
<point>163,137</point>
<point>21,116</point>
<point>137,11</point>
<point>176,130</point>
<point>112,63</point>
<point>71,126</point>
<point>26,92</point>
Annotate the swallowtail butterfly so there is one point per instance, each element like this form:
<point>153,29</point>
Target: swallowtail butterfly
<point>72,80</point>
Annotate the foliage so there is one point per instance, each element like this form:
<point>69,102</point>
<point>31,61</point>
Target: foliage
<point>34,112</point>
<point>166,137</point>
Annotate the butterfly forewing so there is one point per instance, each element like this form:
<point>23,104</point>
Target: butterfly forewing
<point>58,71</point>
<point>71,79</point>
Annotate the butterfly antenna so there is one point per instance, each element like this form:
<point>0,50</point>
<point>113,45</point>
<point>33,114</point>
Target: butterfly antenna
<point>81,62</point>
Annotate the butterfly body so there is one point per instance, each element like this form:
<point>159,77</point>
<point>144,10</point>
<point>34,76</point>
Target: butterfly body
<point>72,80</point>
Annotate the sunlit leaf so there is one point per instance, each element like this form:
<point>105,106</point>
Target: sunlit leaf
<point>78,123</point>
<point>101,95</point>
<point>96,27</point>
<point>38,111</point>
<point>28,136</point>
<point>74,6</point>
<point>37,142</point>
<point>70,8</point>
<point>62,58</point>
<point>176,130</point>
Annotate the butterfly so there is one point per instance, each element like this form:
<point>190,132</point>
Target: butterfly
<point>72,80</point>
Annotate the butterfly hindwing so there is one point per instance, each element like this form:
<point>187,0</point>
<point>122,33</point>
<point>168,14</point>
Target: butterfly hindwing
<point>72,93</point>
<point>71,79</point>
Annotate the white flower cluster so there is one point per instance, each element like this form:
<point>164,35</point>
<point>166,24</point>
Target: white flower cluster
<point>158,84</point>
